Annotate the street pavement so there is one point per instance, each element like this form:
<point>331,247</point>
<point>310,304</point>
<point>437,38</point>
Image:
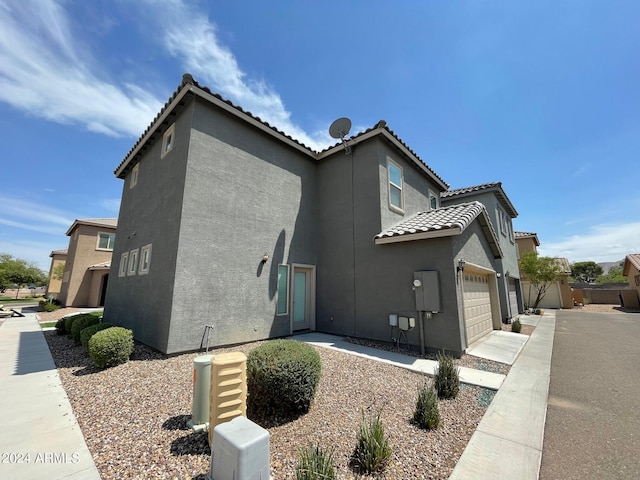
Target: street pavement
<point>593,415</point>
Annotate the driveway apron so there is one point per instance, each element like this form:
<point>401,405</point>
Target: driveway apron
<point>593,415</point>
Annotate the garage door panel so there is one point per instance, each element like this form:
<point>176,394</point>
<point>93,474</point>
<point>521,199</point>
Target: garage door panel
<point>513,298</point>
<point>477,306</point>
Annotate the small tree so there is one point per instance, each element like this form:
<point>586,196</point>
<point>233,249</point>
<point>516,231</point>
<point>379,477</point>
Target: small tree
<point>540,272</point>
<point>585,272</point>
<point>58,271</point>
<point>614,275</point>
<point>15,271</point>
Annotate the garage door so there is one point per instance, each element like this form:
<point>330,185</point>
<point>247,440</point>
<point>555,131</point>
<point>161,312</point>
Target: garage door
<point>513,298</point>
<point>477,306</point>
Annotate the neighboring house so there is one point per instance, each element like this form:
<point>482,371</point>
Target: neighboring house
<point>558,294</point>
<point>86,271</point>
<point>231,231</point>
<point>501,212</point>
<point>58,257</point>
<point>631,270</point>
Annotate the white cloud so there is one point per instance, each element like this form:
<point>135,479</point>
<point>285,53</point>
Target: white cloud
<point>111,204</point>
<point>33,216</point>
<point>603,243</point>
<point>192,38</point>
<point>43,73</point>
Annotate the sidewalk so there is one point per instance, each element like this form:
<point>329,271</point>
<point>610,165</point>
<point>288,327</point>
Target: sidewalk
<point>508,441</point>
<point>41,437</point>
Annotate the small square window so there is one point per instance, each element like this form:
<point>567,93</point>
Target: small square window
<point>106,241</point>
<point>134,176</point>
<point>168,140</point>
<point>133,262</point>
<point>122,268</point>
<point>145,260</point>
<point>433,200</point>
<point>395,185</point>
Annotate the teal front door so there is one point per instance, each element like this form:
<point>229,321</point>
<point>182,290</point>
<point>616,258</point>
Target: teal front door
<point>301,298</point>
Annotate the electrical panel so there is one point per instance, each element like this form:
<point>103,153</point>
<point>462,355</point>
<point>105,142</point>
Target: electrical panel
<point>426,285</point>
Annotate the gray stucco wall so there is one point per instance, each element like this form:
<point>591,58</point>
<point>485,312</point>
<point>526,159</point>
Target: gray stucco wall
<point>245,195</point>
<point>150,213</point>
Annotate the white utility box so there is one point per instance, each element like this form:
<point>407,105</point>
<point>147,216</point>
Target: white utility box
<point>239,451</point>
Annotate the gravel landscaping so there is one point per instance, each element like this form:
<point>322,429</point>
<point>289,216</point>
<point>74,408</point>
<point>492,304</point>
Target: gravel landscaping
<point>134,416</point>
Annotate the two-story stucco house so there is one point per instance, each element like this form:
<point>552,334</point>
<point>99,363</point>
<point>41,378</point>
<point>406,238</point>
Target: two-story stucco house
<point>58,258</point>
<point>87,263</point>
<point>501,212</point>
<point>230,230</point>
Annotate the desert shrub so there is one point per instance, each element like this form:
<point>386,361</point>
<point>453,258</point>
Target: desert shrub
<point>60,327</point>
<point>372,452</point>
<point>68,321</point>
<point>427,413</point>
<point>111,347</point>
<point>89,331</point>
<point>282,377</point>
<point>49,307</point>
<point>516,326</point>
<point>446,379</point>
<point>538,311</point>
<point>315,463</point>
<point>80,324</point>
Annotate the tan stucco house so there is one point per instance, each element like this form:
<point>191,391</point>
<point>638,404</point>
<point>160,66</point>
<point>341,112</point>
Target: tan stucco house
<point>631,270</point>
<point>88,261</point>
<point>58,257</point>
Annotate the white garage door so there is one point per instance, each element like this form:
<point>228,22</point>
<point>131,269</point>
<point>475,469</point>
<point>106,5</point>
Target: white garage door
<point>477,306</point>
<point>513,298</point>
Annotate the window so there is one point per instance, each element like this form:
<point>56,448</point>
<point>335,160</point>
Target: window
<point>134,176</point>
<point>510,226</point>
<point>395,185</point>
<point>145,260</point>
<point>433,200</point>
<point>502,219</point>
<point>168,139</point>
<point>122,268</point>
<point>283,290</point>
<point>133,262</point>
<point>106,241</point>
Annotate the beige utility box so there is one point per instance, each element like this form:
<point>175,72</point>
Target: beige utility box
<point>228,389</point>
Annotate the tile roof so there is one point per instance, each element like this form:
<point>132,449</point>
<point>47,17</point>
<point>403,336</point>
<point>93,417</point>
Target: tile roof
<point>98,222</point>
<point>519,235</point>
<point>631,259</point>
<point>101,266</point>
<point>189,86</point>
<point>564,264</point>
<point>486,187</point>
<point>445,221</point>
<point>64,251</point>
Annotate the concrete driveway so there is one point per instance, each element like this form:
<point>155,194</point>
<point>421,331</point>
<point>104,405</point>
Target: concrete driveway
<point>593,416</point>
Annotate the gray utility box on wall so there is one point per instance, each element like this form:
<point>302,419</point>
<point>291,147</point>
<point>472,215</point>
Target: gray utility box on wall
<point>426,285</point>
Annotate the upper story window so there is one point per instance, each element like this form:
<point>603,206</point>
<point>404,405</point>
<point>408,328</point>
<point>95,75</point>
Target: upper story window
<point>502,220</point>
<point>122,269</point>
<point>106,241</point>
<point>168,140</point>
<point>145,260</point>
<point>396,185</point>
<point>133,262</point>
<point>134,176</point>
<point>433,200</point>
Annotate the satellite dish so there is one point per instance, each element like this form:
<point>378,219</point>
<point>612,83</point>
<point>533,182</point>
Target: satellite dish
<point>340,129</point>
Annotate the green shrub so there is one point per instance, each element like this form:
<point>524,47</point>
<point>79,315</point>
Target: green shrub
<point>50,307</point>
<point>314,463</point>
<point>282,377</point>
<point>89,331</point>
<point>111,347</point>
<point>516,326</point>
<point>372,452</point>
<point>80,324</point>
<point>538,311</point>
<point>60,327</point>
<point>426,414</point>
<point>446,379</point>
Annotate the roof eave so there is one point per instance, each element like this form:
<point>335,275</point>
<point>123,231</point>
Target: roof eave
<point>408,237</point>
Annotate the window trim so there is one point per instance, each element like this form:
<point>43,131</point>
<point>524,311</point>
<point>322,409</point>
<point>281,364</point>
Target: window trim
<point>168,140</point>
<point>400,187</point>
<point>133,262</point>
<point>134,175</point>
<point>143,250</point>
<point>122,268</point>
<point>287,289</point>
<point>109,234</point>
<point>433,195</point>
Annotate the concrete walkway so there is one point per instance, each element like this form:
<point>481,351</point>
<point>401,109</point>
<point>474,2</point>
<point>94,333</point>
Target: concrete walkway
<point>40,435</point>
<point>508,441</point>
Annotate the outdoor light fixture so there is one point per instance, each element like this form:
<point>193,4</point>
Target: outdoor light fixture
<point>461,264</point>
<point>265,257</point>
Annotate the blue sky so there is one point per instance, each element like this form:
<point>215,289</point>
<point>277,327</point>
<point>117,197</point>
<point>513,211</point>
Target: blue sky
<point>543,96</point>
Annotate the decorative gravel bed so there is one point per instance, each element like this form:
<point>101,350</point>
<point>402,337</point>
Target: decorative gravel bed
<point>134,416</point>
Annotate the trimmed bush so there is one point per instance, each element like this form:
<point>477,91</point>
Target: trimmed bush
<point>282,377</point>
<point>516,326</point>
<point>314,463</point>
<point>446,378</point>
<point>88,332</point>
<point>60,327</point>
<point>372,453</point>
<point>80,324</point>
<point>426,414</point>
<point>111,347</point>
